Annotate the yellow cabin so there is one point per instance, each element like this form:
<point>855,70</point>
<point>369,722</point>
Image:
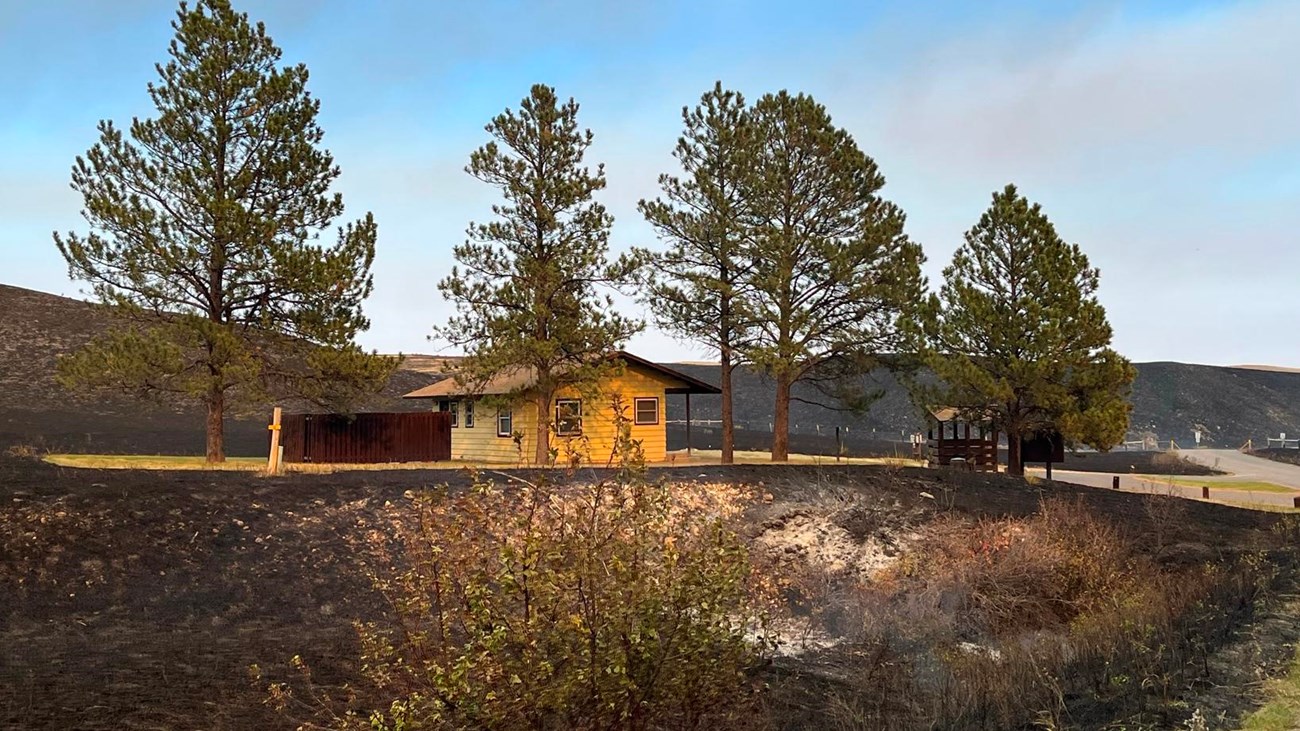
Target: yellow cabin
<point>581,427</point>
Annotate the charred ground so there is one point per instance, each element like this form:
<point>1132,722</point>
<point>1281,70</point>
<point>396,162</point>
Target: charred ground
<point>140,599</point>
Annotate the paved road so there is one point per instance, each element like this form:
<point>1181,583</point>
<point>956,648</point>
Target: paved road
<point>1153,485</point>
<point>1242,468</point>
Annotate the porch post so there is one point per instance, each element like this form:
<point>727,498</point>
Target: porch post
<point>688,425</point>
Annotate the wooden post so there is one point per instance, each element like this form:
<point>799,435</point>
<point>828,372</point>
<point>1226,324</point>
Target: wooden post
<point>1114,482</point>
<point>1205,492</point>
<point>1049,468</point>
<point>273,459</point>
<point>1295,502</point>
<point>688,426</point>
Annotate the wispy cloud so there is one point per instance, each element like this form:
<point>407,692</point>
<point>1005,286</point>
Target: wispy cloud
<point>1164,139</point>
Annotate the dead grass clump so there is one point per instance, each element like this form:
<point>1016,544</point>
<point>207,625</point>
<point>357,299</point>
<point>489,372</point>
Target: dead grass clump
<point>1015,575</point>
<point>1287,528</point>
<point>1172,461</point>
<point>23,451</point>
<point>1016,622</point>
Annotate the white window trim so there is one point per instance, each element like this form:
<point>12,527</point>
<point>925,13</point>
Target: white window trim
<point>560,433</point>
<point>509,415</point>
<point>448,406</point>
<point>469,414</point>
<point>636,410</point>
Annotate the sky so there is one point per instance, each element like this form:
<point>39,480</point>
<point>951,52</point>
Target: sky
<point>1163,137</point>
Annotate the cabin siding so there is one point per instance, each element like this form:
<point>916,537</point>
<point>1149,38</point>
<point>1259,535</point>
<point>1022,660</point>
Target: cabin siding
<point>480,443</point>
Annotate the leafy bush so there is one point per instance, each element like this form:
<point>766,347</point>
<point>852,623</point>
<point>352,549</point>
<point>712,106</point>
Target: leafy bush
<point>619,603</point>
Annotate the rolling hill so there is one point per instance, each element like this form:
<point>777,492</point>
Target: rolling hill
<point>1170,401</point>
<point>35,328</point>
<point>1232,404</point>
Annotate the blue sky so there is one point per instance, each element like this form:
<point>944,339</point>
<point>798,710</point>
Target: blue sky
<point>1163,138</point>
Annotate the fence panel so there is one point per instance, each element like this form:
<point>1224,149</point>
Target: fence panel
<point>366,438</point>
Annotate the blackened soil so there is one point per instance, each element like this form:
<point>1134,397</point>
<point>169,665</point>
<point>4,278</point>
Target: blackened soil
<point>1289,456</point>
<point>134,600</point>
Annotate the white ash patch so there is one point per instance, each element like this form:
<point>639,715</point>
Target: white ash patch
<point>818,539</point>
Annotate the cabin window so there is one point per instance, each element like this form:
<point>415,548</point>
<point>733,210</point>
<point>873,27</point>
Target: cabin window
<point>505,423</point>
<point>469,415</point>
<point>449,406</point>
<point>568,417</point>
<point>646,411</point>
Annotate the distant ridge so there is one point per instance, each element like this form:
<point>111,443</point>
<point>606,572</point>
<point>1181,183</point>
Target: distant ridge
<point>1231,404</point>
<point>1272,368</point>
<point>431,364</point>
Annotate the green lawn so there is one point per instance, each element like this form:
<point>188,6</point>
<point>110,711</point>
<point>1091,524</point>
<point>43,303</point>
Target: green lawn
<point>1281,710</point>
<point>1241,485</point>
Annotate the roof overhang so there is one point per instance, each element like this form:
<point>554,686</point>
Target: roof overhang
<point>692,385</point>
<point>447,387</point>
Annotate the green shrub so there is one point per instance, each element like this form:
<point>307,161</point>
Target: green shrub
<point>620,603</point>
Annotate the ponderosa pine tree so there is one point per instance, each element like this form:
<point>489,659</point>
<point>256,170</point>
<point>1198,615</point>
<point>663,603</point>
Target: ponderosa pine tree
<point>1018,333</point>
<point>204,225</point>
<point>834,276</point>
<point>529,296</point>
<point>698,284</point>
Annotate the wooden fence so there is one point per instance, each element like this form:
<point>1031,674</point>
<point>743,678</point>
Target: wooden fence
<point>423,436</point>
<point>979,454</point>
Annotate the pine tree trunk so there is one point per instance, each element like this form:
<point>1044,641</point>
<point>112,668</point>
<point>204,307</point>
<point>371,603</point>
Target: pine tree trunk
<point>1015,466</point>
<point>728,415</point>
<point>216,401</point>
<point>781,421</point>
<point>542,455</point>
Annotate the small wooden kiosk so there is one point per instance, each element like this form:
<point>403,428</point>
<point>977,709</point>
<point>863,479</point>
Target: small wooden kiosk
<point>971,440</point>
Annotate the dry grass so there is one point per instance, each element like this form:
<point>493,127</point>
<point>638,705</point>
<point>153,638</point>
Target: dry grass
<point>22,451</point>
<point>997,622</point>
<point>1281,711</point>
<point>253,464</point>
<point>713,456</point>
<point>1172,461</point>
<point>151,462</point>
<point>248,464</point>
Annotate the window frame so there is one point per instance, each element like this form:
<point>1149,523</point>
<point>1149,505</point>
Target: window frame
<point>636,411</point>
<point>559,432</point>
<point>469,414</point>
<point>447,406</point>
<point>509,416</point>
